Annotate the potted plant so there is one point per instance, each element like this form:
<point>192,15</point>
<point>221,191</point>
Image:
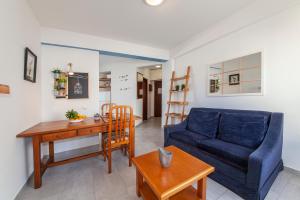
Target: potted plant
<point>182,86</point>
<point>56,73</point>
<point>177,87</point>
<point>56,90</point>
<point>62,81</point>
<point>74,116</point>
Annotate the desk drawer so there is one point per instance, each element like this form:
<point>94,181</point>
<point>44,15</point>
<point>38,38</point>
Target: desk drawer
<point>58,136</point>
<point>89,131</point>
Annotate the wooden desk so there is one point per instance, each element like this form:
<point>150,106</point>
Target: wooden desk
<point>174,183</point>
<point>60,130</point>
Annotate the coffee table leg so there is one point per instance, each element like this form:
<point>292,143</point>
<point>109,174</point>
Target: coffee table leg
<point>201,190</point>
<point>139,182</point>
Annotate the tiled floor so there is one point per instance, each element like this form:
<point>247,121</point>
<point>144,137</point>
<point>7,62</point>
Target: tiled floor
<point>88,179</point>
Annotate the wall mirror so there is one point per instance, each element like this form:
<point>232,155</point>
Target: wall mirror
<point>239,76</point>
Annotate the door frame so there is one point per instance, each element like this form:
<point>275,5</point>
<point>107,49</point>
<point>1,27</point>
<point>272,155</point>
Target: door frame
<point>145,99</point>
<point>156,113</point>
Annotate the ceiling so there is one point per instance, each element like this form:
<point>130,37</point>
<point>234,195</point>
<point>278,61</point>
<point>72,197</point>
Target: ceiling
<point>164,26</point>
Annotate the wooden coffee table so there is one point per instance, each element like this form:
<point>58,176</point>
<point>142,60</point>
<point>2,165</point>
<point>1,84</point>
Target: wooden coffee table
<point>174,183</point>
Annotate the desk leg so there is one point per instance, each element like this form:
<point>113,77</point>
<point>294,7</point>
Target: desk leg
<point>36,143</point>
<point>139,182</point>
<point>201,189</point>
<point>51,152</point>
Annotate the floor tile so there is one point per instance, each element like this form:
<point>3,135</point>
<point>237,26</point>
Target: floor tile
<point>88,179</point>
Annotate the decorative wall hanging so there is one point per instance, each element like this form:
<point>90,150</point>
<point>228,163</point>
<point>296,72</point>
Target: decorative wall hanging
<point>78,87</point>
<point>30,65</point>
<point>4,89</point>
<point>234,79</point>
<point>239,76</point>
<point>60,83</point>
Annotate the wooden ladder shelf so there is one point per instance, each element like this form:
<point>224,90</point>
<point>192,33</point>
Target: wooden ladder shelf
<point>182,103</point>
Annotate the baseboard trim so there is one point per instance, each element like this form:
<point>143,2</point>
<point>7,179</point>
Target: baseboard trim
<point>25,184</point>
<point>291,170</point>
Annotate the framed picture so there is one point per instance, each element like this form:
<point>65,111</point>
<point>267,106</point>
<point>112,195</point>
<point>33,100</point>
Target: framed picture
<point>139,88</point>
<point>78,86</point>
<point>234,79</point>
<point>30,64</point>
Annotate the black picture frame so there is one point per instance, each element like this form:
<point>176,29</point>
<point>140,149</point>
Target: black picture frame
<point>78,86</point>
<point>30,65</point>
<point>234,79</point>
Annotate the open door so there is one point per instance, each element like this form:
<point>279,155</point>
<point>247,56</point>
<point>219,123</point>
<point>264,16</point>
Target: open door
<point>145,99</point>
<point>157,98</point>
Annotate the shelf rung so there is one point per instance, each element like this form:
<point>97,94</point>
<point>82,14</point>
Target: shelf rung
<point>180,78</point>
<point>185,90</point>
<point>178,102</point>
<point>175,115</point>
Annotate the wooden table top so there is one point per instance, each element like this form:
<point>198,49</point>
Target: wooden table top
<point>58,126</point>
<point>63,125</point>
<point>185,169</point>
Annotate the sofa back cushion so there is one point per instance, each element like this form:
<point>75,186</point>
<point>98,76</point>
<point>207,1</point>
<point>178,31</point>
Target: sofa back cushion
<point>204,122</point>
<point>243,129</point>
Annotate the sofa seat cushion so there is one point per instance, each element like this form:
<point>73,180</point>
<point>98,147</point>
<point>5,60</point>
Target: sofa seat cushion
<point>243,129</point>
<point>188,137</point>
<point>227,151</point>
<point>204,122</point>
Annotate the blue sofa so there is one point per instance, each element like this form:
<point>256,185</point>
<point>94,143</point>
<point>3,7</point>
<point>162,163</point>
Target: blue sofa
<point>245,147</point>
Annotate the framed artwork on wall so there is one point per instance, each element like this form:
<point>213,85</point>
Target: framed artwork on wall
<point>30,64</point>
<point>234,79</point>
<point>238,76</point>
<point>139,88</point>
<point>78,86</point>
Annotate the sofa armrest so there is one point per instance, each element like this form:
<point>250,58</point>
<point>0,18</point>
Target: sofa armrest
<point>174,128</point>
<point>268,155</point>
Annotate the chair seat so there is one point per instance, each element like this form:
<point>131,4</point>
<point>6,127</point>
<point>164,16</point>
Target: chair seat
<point>113,137</point>
<point>232,152</point>
<point>188,137</point>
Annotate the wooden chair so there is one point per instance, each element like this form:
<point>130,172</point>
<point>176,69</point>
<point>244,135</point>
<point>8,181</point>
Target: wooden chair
<point>119,133</point>
<point>104,111</point>
<point>105,108</point>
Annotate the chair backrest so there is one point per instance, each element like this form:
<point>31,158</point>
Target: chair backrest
<point>105,108</point>
<point>120,123</point>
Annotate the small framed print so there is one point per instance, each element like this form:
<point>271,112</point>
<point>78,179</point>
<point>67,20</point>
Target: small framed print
<point>78,86</point>
<point>30,64</point>
<point>234,79</point>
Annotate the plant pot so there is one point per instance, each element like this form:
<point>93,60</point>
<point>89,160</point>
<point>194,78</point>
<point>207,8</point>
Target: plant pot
<point>61,93</point>
<point>55,93</point>
<point>56,75</point>
<point>165,157</point>
<point>177,87</point>
<point>62,85</point>
<point>182,87</point>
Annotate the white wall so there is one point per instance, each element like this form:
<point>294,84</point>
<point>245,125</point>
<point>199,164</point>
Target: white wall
<point>278,38</point>
<point>128,97</point>
<point>22,108</point>
<point>55,109</point>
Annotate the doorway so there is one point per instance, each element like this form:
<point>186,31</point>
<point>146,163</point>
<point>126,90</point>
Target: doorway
<point>157,98</point>
<point>145,99</point>
<point>149,92</point>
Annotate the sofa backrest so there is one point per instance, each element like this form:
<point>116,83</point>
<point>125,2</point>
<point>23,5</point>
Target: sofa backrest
<point>204,122</point>
<point>243,127</point>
